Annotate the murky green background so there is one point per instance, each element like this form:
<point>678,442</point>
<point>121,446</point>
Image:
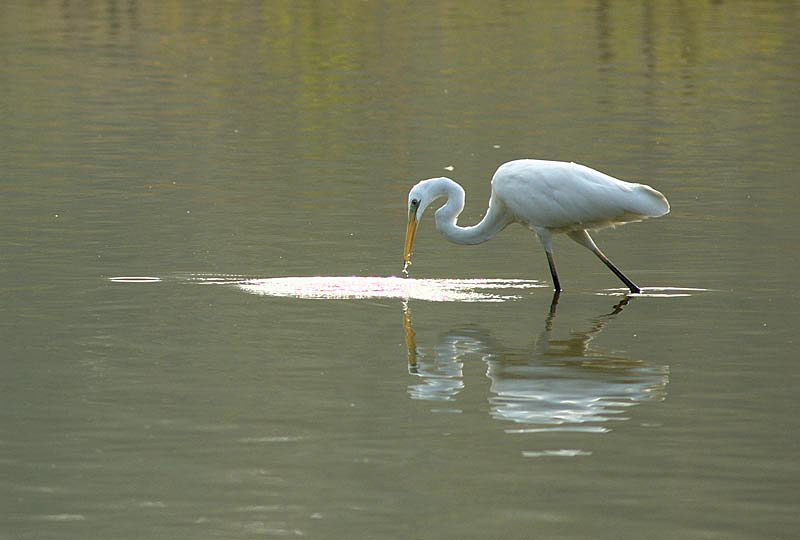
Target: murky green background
<point>177,139</point>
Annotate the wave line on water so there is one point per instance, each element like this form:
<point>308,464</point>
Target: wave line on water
<point>563,452</point>
<point>135,279</point>
<point>655,292</point>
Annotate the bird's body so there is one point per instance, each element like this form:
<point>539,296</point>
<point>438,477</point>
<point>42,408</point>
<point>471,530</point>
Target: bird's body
<point>563,197</point>
<point>548,197</point>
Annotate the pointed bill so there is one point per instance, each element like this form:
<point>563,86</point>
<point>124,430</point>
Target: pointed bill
<point>411,230</point>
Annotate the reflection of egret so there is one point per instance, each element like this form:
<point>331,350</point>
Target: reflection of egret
<point>548,197</point>
<point>561,384</point>
<point>442,380</point>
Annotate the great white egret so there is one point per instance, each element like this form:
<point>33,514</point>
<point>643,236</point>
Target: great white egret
<point>548,197</point>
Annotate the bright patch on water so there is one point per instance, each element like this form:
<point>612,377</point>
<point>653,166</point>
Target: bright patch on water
<point>357,287</point>
<point>362,287</point>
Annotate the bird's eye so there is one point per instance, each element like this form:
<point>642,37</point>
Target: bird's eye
<point>414,202</point>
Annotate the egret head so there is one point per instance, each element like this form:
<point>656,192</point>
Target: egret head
<point>420,196</point>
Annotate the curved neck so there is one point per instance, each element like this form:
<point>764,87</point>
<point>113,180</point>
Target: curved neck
<point>493,222</point>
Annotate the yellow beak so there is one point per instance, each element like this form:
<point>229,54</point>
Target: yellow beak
<point>411,230</point>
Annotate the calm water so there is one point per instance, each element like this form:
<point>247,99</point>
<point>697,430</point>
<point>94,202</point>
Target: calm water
<point>214,147</point>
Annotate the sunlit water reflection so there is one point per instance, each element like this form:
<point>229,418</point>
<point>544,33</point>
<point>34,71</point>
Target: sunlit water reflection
<point>434,290</point>
<point>363,287</point>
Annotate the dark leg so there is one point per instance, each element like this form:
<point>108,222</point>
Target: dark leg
<point>552,263</point>
<point>583,238</point>
<point>631,285</point>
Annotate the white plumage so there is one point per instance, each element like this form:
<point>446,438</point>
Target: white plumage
<point>548,197</point>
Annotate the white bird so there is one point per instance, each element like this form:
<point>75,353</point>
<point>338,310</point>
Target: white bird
<point>548,197</point>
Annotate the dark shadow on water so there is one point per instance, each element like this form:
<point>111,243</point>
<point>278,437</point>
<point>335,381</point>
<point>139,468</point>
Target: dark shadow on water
<point>552,384</point>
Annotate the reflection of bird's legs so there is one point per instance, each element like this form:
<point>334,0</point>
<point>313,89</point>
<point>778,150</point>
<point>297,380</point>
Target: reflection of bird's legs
<point>548,323</point>
<point>618,306</point>
<point>599,322</point>
<point>582,237</point>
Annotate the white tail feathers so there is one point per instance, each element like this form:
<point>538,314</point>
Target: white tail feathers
<point>650,202</point>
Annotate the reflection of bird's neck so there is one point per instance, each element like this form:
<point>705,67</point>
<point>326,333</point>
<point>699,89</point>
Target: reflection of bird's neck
<point>495,220</point>
<point>411,342</point>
